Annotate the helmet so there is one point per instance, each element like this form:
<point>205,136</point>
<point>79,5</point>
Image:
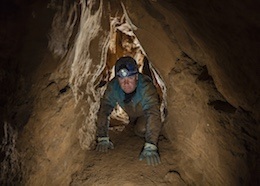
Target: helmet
<point>125,67</point>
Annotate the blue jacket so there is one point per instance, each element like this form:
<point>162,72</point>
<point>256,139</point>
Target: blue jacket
<point>144,102</point>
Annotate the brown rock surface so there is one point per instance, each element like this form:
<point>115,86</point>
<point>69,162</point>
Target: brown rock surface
<point>206,54</point>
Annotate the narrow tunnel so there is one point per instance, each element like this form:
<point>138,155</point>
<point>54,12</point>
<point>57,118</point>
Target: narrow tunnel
<point>56,60</point>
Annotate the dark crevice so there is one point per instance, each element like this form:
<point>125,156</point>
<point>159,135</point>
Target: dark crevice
<point>184,55</point>
<point>50,84</point>
<point>146,68</point>
<point>176,172</point>
<point>222,106</point>
<point>204,76</point>
<point>102,83</point>
<point>63,90</point>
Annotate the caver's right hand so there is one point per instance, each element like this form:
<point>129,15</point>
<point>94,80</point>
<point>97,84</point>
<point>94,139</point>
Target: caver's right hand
<point>104,144</point>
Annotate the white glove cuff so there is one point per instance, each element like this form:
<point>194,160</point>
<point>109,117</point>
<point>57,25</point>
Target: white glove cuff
<point>103,139</point>
<point>150,146</point>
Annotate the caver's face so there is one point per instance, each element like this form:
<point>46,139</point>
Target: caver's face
<point>128,84</point>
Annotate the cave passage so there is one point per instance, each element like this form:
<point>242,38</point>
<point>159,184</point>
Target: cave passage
<point>123,42</point>
<point>57,57</point>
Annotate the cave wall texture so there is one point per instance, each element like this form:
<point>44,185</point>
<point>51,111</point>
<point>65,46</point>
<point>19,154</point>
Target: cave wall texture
<point>206,53</point>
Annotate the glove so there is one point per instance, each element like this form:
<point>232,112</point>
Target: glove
<point>151,154</point>
<point>104,144</point>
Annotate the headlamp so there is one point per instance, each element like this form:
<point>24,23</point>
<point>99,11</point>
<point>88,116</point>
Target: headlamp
<point>125,67</point>
<point>123,73</point>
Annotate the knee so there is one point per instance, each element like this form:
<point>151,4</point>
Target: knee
<point>140,129</point>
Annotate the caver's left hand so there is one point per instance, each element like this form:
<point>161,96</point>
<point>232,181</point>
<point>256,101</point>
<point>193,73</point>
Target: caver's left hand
<point>150,153</point>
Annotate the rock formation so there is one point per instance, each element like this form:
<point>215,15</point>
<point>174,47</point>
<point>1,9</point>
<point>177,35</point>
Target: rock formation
<point>57,56</point>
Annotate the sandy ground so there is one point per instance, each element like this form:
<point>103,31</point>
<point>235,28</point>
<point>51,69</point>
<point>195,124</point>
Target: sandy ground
<point>121,165</point>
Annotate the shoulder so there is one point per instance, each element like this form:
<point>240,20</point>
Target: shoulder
<point>113,84</point>
<point>144,78</point>
<point>111,93</point>
<point>148,92</point>
<point>145,81</point>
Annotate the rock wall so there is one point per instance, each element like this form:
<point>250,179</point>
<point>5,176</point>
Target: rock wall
<point>184,42</point>
<point>205,53</point>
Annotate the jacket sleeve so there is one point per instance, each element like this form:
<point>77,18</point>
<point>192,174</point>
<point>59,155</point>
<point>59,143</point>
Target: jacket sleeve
<point>107,105</point>
<point>151,106</point>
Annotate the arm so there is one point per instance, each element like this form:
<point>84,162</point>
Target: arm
<point>153,124</point>
<point>151,106</point>
<point>107,104</point>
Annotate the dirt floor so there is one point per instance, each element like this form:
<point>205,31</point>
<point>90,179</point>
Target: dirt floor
<point>121,166</point>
